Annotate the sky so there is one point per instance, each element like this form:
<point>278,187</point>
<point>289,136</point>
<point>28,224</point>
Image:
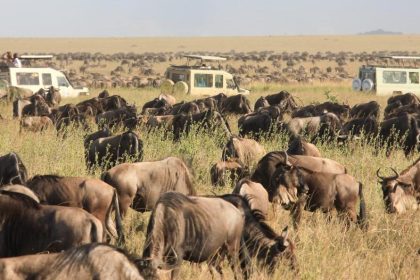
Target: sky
<point>138,18</point>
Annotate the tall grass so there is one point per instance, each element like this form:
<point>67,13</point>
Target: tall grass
<point>388,250</point>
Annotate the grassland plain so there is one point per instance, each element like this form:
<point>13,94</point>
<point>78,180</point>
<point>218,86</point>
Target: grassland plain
<point>388,250</point>
<point>311,44</point>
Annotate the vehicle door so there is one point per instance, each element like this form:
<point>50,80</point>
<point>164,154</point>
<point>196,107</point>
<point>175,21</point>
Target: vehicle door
<point>64,86</point>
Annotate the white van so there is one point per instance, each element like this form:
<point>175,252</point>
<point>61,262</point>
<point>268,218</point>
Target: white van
<point>34,78</point>
<point>388,80</point>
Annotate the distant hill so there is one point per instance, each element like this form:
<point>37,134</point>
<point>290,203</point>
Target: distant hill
<point>380,32</point>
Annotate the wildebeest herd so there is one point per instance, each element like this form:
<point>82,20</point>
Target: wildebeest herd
<point>72,218</point>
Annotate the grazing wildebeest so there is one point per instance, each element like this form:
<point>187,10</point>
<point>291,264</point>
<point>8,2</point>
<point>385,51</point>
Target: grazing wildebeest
<point>400,130</point>
<point>28,227</point>
<point>38,107</point>
<point>92,195</point>
<point>263,244</point>
<point>404,99</point>
<point>340,110</point>
<point>104,132</point>
<point>261,103</point>
<point>116,117</point>
<point>65,111</point>
<point>184,108</point>
<point>401,192</point>
<point>208,121</point>
<point>272,161</point>
<point>319,190</point>
<point>256,125</point>
<point>53,97</point>
<point>159,122</point>
<point>365,110</point>
<point>324,126</point>
<point>113,102</point>
<point>362,126</point>
<point>236,104</point>
<point>36,123</point>
<point>18,106</point>
<point>108,151</point>
<point>248,151</point>
<point>396,112</point>
<point>161,106</point>
<point>12,170</point>
<point>89,261</point>
<point>93,104</point>
<point>299,146</point>
<point>284,100</point>
<point>232,167</point>
<point>255,194</point>
<point>140,184</point>
<point>188,228</point>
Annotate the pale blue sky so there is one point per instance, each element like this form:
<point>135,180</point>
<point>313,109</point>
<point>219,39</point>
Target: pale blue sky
<point>121,18</point>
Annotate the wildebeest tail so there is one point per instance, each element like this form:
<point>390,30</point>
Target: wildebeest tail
<point>362,218</point>
<point>118,219</point>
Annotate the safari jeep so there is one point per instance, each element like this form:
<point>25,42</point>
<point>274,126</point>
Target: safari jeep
<point>389,79</point>
<point>34,78</point>
<point>200,78</point>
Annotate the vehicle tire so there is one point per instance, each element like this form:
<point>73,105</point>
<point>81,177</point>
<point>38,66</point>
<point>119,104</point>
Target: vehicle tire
<point>356,84</point>
<point>180,88</point>
<point>167,87</point>
<point>367,85</point>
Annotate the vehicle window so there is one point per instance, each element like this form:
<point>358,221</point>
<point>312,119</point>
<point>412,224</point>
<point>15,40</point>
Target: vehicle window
<point>203,80</point>
<point>395,77</point>
<point>230,84</point>
<point>176,77</point>
<point>28,79</point>
<point>62,82</point>
<point>46,79</point>
<point>218,81</point>
<point>414,77</point>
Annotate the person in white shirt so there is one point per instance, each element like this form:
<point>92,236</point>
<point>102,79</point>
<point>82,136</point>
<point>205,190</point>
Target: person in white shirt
<point>16,61</point>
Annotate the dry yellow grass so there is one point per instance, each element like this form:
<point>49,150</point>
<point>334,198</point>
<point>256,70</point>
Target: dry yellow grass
<point>311,44</point>
<point>388,250</point>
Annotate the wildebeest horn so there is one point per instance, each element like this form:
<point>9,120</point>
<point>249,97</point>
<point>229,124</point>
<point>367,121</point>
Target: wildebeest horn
<point>387,178</point>
<point>418,138</point>
<point>286,157</point>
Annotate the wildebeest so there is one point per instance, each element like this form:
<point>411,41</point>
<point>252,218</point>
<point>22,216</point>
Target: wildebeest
<point>20,189</point>
<point>18,106</point>
<point>92,195</point>
<point>110,150</point>
<point>140,184</point>
<point>268,165</point>
<point>104,132</point>
<point>361,126</point>
<point>236,104</point>
<point>261,103</point>
<point>400,130</point>
<point>232,167</point>
<point>160,122</point>
<point>324,126</point>
<point>53,97</point>
<point>256,125</point>
<point>248,151</point>
<point>89,261</point>
<point>395,102</point>
<point>12,170</point>
<point>401,192</point>
<point>207,121</point>
<point>113,102</point>
<point>255,194</point>
<point>340,110</point>
<point>28,227</point>
<point>365,110</point>
<point>36,123</point>
<point>398,111</point>
<point>184,108</point>
<point>38,107</point>
<point>116,117</point>
<point>185,228</point>
<point>324,191</point>
<point>299,146</point>
<point>284,100</point>
<point>161,106</point>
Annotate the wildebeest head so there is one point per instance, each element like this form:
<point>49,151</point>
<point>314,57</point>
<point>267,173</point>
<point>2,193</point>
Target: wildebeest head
<point>283,248</point>
<point>396,193</point>
<point>12,170</point>
<point>287,185</point>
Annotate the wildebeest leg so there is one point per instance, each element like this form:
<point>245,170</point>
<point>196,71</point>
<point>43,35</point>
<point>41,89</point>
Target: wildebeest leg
<point>214,265</point>
<point>233,257</point>
<point>296,212</point>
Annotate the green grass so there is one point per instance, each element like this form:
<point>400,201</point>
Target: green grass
<point>388,250</point>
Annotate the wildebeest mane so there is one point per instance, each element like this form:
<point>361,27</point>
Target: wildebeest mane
<point>48,178</point>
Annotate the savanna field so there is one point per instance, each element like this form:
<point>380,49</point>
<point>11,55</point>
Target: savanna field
<point>324,249</point>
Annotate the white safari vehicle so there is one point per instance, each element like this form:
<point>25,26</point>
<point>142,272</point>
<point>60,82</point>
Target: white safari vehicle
<point>387,80</point>
<point>34,78</point>
<point>200,78</point>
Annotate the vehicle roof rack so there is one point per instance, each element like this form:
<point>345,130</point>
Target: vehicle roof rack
<point>401,57</point>
<point>31,56</point>
<point>205,57</point>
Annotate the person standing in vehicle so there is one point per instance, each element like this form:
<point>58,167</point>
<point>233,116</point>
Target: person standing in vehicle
<point>16,61</point>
